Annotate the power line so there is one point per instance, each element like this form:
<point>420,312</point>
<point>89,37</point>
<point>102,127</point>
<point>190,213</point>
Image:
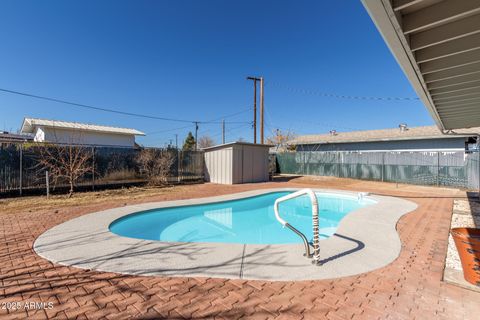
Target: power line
<point>168,130</point>
<point>230,130</point>
<point>92,107</point>
<point>339,96</point>
<point>101,108</point>
<point>229,115</point>
<point>213,121</point>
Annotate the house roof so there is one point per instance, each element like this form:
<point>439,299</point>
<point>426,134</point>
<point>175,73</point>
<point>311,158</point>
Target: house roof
<point>29,125</point>
<point>437,44</point>
<point>414,133</point>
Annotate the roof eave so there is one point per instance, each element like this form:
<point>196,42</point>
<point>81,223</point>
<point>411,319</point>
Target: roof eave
<point>28,127</point>
<point>444,136</point>
<point>24,125</point>
<point>237,143</point>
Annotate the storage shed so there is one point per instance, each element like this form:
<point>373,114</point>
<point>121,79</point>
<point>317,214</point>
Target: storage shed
<point>237,162</point>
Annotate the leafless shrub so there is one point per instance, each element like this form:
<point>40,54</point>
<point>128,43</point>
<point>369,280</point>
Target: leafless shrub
<point>156,164</point>
<point>282,140</point>
<point>205,142</point>
<point>65,162</point>
<point>119,175</point>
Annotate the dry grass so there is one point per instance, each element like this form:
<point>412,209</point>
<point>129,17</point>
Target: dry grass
<point>10,205</point>
<point>120,197</point>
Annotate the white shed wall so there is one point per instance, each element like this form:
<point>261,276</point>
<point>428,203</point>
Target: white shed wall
<point>218,166</point>
<point>84,137</point>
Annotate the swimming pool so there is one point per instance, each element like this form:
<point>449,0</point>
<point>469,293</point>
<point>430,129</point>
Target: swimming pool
<point>248,220</point>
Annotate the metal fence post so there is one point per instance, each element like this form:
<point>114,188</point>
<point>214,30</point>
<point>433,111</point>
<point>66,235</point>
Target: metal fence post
<point>47,184</point>
<point>438,168</point>
<point>21,170</point>
<point>338,164</point>
<point>304,162</point>
<point>383,166</point>
<point>93,168</point>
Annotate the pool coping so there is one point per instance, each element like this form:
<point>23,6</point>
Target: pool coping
<point>365,240</point>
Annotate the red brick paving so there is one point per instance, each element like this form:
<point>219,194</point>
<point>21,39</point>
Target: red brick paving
<point>409,288</point>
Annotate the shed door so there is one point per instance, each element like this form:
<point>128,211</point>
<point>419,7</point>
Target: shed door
<point>248,164</point>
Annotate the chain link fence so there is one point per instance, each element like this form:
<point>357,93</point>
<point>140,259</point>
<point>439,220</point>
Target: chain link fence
<point>20,172</point>
<point>441,168</point>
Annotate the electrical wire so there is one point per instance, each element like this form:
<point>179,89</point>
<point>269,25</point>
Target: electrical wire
<point>213,121</point>
<point>338,96</point>
<point>85,106</point>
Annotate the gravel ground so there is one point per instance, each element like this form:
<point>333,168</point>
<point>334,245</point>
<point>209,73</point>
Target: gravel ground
<point>466,213</point>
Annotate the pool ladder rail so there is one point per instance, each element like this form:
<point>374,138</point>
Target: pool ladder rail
<point>316,245</point>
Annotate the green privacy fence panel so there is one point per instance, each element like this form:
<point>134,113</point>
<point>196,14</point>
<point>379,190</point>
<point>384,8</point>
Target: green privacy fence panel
<point>455,169</point>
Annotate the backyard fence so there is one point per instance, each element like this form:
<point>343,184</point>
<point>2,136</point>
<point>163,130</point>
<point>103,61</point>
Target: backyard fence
<point>21,170</point>
<point>454,169</point>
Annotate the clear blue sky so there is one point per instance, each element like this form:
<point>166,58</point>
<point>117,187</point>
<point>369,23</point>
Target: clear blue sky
<point>189,60</point>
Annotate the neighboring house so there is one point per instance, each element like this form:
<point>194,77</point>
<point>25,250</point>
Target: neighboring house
<point>79,133</point>
<point>13,137</point>
<point>428,138</point>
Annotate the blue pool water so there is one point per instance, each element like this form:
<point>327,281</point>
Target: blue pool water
<point>248,220</point>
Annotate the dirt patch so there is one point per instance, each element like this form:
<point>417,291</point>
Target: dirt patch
<point>12,205</point>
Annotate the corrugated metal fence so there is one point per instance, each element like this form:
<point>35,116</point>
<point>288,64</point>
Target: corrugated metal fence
<point>455,169</point>
<point>113,166</point>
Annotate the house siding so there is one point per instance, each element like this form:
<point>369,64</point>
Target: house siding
<point>407,145</point>
<point>83,137</point>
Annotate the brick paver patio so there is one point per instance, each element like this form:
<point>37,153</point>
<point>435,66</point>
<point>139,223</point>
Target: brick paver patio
<point>409,288</point>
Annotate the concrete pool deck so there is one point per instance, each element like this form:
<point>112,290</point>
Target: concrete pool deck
<point>365,240</point>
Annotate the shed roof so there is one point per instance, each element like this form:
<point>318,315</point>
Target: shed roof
<point>229,144</point>
<point>30,123</point>
<point>414,133</point>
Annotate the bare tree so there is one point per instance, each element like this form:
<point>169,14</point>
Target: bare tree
<point>156,164</point>
<point>282,140</point>
<point>65,162</point>
<point>205,142</point>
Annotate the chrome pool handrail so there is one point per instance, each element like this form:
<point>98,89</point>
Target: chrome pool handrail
<point>313,199</point>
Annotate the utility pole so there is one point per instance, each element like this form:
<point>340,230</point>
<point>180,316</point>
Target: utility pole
<point>254,107</point>
<point>262,110</point>
<point>196,132</point>
<point>176,141</point>
<point>223,131</point>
